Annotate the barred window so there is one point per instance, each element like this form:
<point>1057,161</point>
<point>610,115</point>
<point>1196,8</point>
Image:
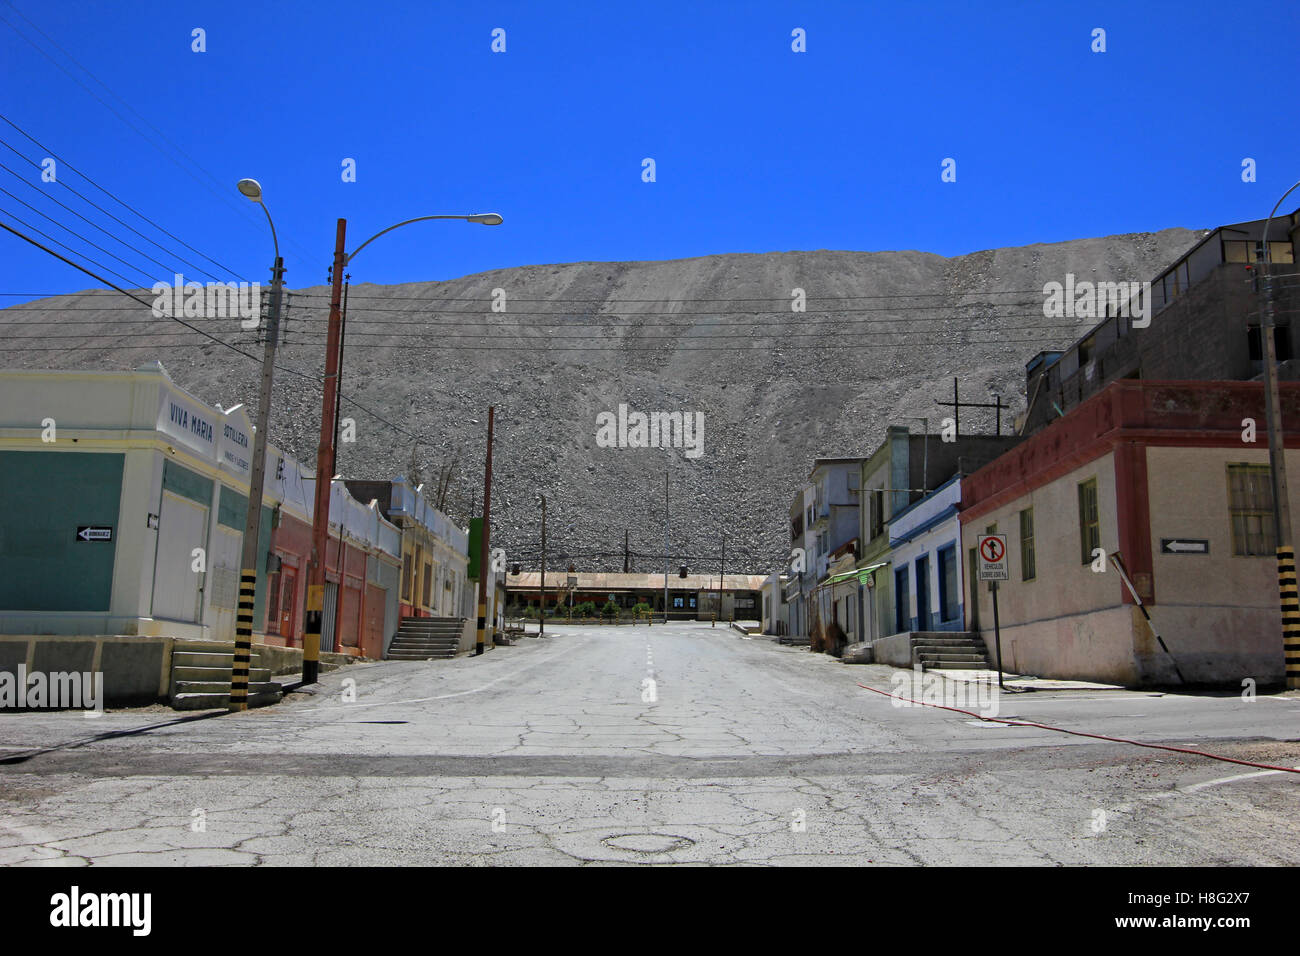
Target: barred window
<point>1250,504</point>
<point>1089,524</point>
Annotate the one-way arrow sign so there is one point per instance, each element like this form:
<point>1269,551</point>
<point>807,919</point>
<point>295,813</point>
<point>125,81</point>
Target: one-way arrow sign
<point>92,533</point>
<point>1184,546</point>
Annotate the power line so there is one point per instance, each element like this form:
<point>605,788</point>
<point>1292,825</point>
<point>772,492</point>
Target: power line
<point>768,298</point>
<point>129,265</point>
<point>242,212</point>
<point>110,215</point>
<point>62,245</point>
<point>111,195</point>
<point>292,371</point>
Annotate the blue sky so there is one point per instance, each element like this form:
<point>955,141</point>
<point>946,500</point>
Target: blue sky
<point>757,148</point>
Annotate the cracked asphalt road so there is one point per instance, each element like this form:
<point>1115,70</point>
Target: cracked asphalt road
<point>681,744</point>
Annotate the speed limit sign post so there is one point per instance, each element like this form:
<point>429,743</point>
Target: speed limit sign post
<point>992,552</point>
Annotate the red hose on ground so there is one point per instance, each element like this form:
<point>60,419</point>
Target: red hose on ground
<point>1080,733</point>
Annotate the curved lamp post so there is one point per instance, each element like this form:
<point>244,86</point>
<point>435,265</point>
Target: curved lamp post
<point>248,565</point>
<point>325,449</point>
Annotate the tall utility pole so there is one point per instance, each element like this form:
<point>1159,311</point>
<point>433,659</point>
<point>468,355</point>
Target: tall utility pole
<point>541,628</point>
<point>257,478</point>
<point>253,521</point>
<point>665,547</point>
<point>717,607</point>
<point>320,519</point>
<point>485,559</point>
<point>1289,598</point>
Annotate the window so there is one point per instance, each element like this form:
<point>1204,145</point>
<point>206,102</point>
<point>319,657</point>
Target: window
<point>1236,250</point>
<point>1281,343</point>
<point>1028,566</point>
<point>428,585</point>
<point>406,576</point>
<point>1250,503</point>
<point>1089,525</point>
<point>877,513</point>
<point>948,583</point>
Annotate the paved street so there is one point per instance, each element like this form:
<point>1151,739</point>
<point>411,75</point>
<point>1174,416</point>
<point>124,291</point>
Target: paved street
<point>561,751</point>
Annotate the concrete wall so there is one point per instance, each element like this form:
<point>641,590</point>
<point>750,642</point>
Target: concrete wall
<point>136,669</point>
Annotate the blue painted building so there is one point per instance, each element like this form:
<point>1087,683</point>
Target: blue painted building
<point>925,557</point>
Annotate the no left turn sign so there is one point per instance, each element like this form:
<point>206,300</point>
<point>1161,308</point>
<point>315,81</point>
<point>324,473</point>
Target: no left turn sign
<point>992,551</point>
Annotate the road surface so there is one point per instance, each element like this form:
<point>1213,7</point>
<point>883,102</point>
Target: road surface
<point>562,751</point>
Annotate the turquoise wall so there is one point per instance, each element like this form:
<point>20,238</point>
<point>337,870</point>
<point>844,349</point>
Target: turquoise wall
<point>44,497</point>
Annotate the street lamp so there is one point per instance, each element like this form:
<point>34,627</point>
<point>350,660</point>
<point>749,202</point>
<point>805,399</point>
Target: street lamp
<point>1277,464</point>
<point>325,449</point>
<point>257,479</point>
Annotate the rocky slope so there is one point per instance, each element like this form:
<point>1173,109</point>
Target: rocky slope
<point>882,338</point>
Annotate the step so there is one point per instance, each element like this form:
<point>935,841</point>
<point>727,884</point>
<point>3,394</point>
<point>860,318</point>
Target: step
<point>204,659</point>
<point>217,673</point>
<point>420,655</point>
<point>950,656</point>
<point>213,686</point>
<point>208,700</point>
<point>431,642</point>
<point>957,665</point>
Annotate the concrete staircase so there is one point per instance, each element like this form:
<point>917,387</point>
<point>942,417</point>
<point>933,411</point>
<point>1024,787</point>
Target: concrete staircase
<point>201,677</point>
<point>949,650</point>
<point>426,638</point>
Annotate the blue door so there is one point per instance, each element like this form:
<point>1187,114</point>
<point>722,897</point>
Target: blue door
<point>923,593</point>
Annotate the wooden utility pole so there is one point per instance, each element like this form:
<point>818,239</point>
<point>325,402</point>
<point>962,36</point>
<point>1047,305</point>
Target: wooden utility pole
<point>665,547</point>
<point>320,519</point>
<point>1289,597</point>
<point>541,627</point>
<point>957,405</point>
<point>485,540</point>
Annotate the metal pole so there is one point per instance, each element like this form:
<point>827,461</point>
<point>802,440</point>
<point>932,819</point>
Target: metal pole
<point>541,628</point>
<point>1117,560</point>
<point>956,409</point>
<point>320,518</point>
<point>484,559</point>
<point>1289,598</point>
<point>665,547</point>
<point>253,520</point>
<point>997,631</point>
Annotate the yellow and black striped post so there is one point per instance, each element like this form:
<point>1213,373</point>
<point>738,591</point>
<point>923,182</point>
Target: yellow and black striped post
<point>243,641</point>
<point>311,632</point>
<point>1290,599</point>
<point>482,622</point>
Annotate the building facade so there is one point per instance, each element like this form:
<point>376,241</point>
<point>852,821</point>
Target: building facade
<point>1165,478</point>
<point>131,499</point>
